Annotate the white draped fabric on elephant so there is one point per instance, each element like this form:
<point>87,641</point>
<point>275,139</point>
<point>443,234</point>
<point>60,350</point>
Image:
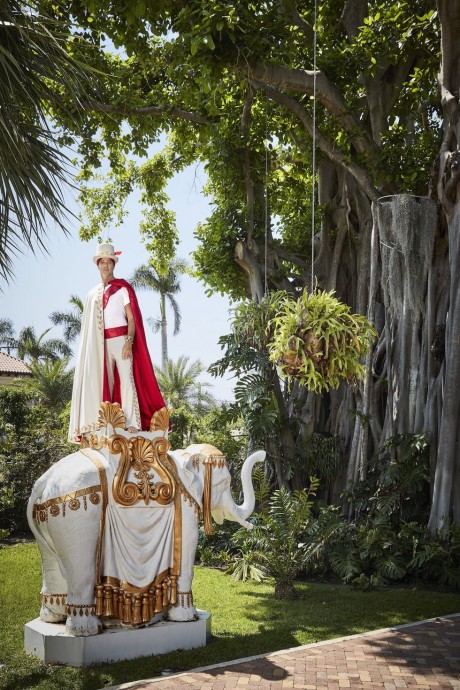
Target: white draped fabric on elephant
<point>138,560</point>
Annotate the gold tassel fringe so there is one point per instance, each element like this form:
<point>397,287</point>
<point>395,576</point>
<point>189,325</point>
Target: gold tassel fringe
<point>136,608</point>
<point>207,519</point>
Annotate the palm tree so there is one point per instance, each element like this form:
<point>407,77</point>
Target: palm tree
<point>167,285</point>
<point>38,348</point>
<point>180,386</point>
<point>7,339</point>
<point>50,383</point>
<point>71,320</point>
<point>35,68</point>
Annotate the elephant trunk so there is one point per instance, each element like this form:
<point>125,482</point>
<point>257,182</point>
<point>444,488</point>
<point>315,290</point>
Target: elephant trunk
<point>247,507</point>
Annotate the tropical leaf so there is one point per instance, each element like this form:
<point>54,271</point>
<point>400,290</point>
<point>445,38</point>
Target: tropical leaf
<point>71,320</point>
<point>36,67</point>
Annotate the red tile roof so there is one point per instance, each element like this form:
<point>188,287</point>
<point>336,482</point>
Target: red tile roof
<point>11,366</point>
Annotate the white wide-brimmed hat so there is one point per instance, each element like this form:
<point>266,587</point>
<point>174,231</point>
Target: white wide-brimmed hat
<point>105,251</point>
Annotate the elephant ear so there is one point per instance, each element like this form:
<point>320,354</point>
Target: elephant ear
<point>188,473</point>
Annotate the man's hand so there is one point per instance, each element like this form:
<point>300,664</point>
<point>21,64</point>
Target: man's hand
<point>127,351</point>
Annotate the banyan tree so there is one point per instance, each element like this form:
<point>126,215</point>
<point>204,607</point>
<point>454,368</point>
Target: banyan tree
<point>234,85</point>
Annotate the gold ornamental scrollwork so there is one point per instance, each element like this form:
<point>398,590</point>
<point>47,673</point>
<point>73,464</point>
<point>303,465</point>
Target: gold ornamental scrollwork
<point>160,420</point>
<point>146,458</point>
<point>124,492</point>
<point>93,441</point>
<point>111,413</point>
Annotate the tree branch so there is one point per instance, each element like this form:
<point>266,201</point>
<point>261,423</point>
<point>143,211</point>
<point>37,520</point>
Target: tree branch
<point>353,15</point>
<point>246,114</point>
<point>335,154</point>
<point>292,258</point>
<point>244,258</point>
<point>302,81</point>
<point>293,14</point>
<point>156,110</point>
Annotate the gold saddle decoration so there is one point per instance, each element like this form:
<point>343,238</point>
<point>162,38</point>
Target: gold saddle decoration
<point>160,420</point>
<point>111,413</point>
<point>145,457</point>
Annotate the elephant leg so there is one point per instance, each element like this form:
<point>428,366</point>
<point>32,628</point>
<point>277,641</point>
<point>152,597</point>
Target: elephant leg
<point>54,589</point>
<point>75,538</point>
<point>54,584</point>
<point>184,610</point>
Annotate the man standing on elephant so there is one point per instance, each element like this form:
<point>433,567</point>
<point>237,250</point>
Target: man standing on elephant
<point>113,362</point>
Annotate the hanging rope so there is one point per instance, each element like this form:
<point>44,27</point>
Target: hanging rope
<point>313,163</point>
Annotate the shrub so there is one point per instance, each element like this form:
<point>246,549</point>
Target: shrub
<point>31,439</point>
<point>275,543</point>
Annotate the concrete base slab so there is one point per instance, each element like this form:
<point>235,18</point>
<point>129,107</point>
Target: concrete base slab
<point>50,643</point>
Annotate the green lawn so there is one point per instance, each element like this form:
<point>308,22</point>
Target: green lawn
<point>247,620</point>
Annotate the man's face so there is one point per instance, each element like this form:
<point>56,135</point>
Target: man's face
<point>105,267</point>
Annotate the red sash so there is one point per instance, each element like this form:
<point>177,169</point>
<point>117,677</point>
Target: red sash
<point>115,332</point>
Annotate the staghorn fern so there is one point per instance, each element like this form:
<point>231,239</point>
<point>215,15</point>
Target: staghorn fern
<point>318,342</point>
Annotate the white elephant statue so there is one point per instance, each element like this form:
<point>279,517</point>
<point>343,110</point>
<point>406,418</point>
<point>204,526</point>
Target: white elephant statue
<point>117,524</point>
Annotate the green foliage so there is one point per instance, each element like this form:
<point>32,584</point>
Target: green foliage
<point>245,566</point>
<point>37,348</point>
<point>246,354</point>
<point>36,63</point>
<point>71,320</point>
<point>105,204</point>
<point>219,428</point>
<point>318,342</point>
<point>388,541</point>
<point>50,385</point>
<point>257,405</point>
<point>181,386</point>
<point>158,228</point>
<point>397,483</point>
<point>7,336</point>
<point>261,489</point>
<point>183,423</point>
<point>321,456</point>
<point>30,441</point>
<point>178,71</point>
<point>275,541</point>
<point>215,550</point>
<point>373,553</point>
<point>434,559</point>
<point>213,259</point>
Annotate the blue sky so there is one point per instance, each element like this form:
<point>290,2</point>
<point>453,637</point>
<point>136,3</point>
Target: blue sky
<point>43,284</point>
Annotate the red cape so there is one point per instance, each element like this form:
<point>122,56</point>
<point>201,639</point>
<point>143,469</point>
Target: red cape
<point>148,393</point>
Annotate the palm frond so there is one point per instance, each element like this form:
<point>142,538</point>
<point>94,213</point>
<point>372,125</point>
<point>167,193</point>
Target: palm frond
<point>35,67</point>
<point>176,312</point>
<point>155,324</point>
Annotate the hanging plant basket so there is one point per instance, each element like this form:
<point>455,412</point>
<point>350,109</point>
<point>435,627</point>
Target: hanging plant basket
<point>318,342</point>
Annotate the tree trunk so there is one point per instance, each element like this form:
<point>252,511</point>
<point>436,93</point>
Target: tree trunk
<point>164,333</point>
<point>446,490</point>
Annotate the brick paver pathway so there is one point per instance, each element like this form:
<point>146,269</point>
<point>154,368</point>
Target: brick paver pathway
<point>421,656</point>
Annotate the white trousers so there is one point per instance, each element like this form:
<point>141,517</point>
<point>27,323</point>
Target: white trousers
<point>129,401</point>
